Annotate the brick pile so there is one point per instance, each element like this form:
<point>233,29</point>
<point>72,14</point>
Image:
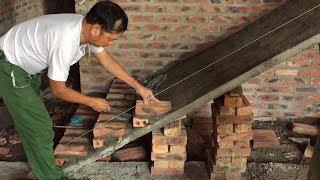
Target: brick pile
<point>231,137</point>
<point>199,132</point>
<point>169,149</point>
<point>112,124</point>
<point>67,151</point>
<point>144,112</point>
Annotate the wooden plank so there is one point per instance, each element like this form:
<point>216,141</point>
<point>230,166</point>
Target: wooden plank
<point>230,72</point>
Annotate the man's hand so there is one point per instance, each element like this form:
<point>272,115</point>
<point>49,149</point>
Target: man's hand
<point>146,94</point>
<point>99,105</point>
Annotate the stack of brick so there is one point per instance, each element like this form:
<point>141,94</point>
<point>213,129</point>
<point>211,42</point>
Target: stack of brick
<point>199,132</point>
<point>113,124</point>
<point>144,112</point>
<point>75,143</point>
<point>169,149</point>
<point>231,137</point>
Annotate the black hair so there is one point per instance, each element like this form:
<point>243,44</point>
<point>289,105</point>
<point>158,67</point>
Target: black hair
<point>106,14</point>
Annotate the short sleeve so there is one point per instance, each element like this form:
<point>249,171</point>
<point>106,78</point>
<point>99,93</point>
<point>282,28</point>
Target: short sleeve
<point>59,63</point>
<point>95,49</point>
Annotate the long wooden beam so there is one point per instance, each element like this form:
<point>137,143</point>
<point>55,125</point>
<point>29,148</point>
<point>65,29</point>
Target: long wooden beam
<point>231,66</point>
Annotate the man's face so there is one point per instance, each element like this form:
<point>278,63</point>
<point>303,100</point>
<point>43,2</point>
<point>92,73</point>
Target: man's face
<point>101,38</point>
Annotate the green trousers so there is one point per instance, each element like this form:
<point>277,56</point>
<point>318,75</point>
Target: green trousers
<point>21,94</point>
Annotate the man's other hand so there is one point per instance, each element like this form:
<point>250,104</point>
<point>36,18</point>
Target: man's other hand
<point>99,105</point>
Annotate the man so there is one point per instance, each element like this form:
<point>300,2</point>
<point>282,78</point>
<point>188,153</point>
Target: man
<point>56,42</point>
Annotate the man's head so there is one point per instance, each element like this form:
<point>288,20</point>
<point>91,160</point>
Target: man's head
<point>107,23</point>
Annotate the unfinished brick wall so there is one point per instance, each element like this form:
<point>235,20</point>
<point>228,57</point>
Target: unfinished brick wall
<point>157,27</point>
<point>290,89</point>
<point>163,31</point>
<point>13,12</point>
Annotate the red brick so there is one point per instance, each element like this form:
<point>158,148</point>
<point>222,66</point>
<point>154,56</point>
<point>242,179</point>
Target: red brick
<point>264,138</point>
<point>130,154</point>
<point>168,156</point>
<point>152,108</point>
<point>225,129</point>
<point>114,129</point>
<point>71,150</point>
<point>141,18</point>
<point>235,137</point>
<point>177,149</point>
<point>232,101</point>
<point>156,8</point>
<point>160,148</point>
<point>167,171</point>
<point>4,150</point>
<point>139,122</point>
<point>238,161</point>
<point>172,129</point>
<point>153,27</point>
<point>225,144</point>
<point>161,164</point>
<point>223,161</point>
<point>234,152</point>
<point>242,128</point>
<point>242,144</point>
<point>176,164</point>
<point>234,119</point>
<point>14,139</point>
<point>224,110</point>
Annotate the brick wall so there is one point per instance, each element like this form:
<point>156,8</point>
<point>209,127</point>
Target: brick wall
<point>163,31</point>
<point>290,89</point>
<point>13,12</point>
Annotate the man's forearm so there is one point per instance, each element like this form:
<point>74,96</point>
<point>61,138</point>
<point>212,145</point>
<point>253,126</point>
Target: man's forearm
<point>116,69</point>
<point>72,96</point>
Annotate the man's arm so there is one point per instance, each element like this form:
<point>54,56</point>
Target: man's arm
<point>59,90</point>
<point>117,70</point>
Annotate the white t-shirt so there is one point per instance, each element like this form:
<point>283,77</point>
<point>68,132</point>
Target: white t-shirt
<point>51,41</point>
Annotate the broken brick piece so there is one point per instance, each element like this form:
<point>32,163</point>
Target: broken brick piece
<point>60,161</point>
<point>309,151</point>
<point>130,154</point>
<point>139,122</point>
<point>172,129</point>
<point>97,142</point>
<point>152,108</point>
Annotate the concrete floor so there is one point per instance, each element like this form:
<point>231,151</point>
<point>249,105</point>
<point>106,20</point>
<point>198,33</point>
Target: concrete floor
<point>141,171</point>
